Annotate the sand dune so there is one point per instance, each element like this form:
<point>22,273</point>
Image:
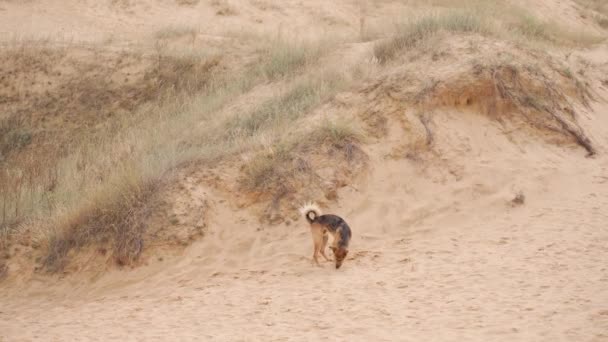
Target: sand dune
<point>440,249</point>
<point>431,259</point>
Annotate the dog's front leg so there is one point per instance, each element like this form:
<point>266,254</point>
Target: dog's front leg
<point>325,237</point>
<point>325,256</point>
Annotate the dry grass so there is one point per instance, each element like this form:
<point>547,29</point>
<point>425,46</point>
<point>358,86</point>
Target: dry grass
<point>412,33</point>
<point>284,109</point>
<point>40,152</point>
<point>12,137</point>
<point>503,22</point>
<point>187,2</point>
<point>599,6</point>
<point>172,32</point>
<point>114,217</point>
<point>597,9</point>
<point>287,170</point>
<point>287,57</point>
<point>223,7</point>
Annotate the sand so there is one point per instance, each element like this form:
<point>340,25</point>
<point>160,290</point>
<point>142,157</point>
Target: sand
<point>439,253</point>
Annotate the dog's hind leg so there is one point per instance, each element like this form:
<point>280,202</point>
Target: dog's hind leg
<point>315,256</point>
<point>325,238</point>
<point>317,239</point>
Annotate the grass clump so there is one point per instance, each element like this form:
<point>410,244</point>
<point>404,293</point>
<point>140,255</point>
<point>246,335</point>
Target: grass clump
<point>410,34</point>
<point>113,217</point>
<point>294,103</point>
<point>599,6</point>
<point>174,32</point>
<point>505,22</point>
<point>596,9</point>
<point>12,137</point>
<point>279,170</point>
<point>285,58</point>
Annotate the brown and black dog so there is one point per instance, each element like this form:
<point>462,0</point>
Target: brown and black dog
<point>320,225</point>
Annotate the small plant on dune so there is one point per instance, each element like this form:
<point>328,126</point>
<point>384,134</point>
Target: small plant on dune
<point>173,32</point>
<point>283,58</point>
<point>602,21</point>
<point>338,134</point>
<point>519,199</point>
<point>223,7</point>
<point>184,71</point>
<point>187,2</point>
<point>599,6</point>
<point>532,28</point>
<point>288,107</point>
<point>12,136</point>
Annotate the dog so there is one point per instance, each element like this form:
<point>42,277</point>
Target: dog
<point>320,226</point>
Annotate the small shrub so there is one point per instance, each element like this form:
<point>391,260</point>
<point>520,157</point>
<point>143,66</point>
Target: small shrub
<point>224,8</point>
<point>284,58</point>
<point>532,28</point>
<point>602,21</point>
<point>172,32</point>
<point>518,200</point>
<point>13,136</point>
<point>187,2</point>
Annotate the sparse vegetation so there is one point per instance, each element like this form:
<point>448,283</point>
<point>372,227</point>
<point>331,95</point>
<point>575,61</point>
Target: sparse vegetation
<point>115,216</point>
<point>286,108</point>
<point>507,22</point>
<point>224,7</point>
<point>187,2</point>
<point>287,169</point>
<point>599,6</point>
<point>172,32</point>
<point>602,21</point>
<point>12,137</point>
<point>518,200</point>
<point>55,153</point>
<point>412,33</point>
<point>285,58</point>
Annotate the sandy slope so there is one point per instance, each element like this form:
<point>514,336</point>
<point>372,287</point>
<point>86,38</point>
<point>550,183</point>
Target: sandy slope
<point>436,255</point>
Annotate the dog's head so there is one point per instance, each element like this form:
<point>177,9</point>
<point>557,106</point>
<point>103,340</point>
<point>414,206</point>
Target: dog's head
<point>340,254</point>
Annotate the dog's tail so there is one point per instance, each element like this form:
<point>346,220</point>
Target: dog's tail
<point>310,211</point>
